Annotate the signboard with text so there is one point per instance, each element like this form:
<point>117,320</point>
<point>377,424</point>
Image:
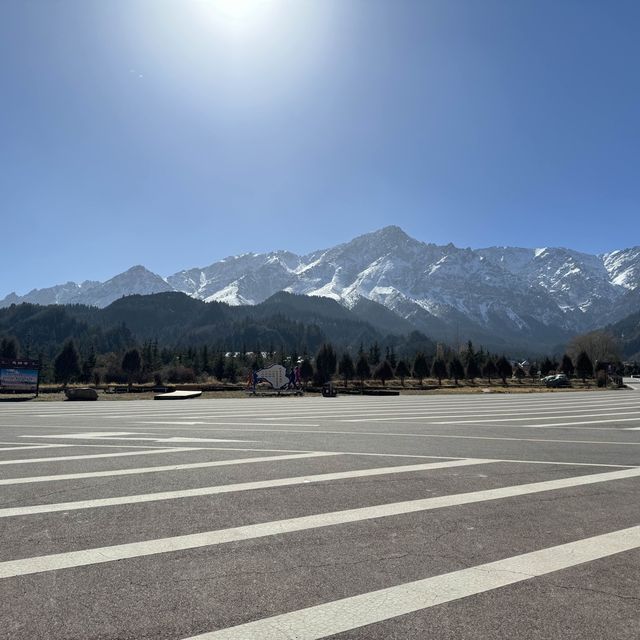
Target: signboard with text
<point>19,375</point>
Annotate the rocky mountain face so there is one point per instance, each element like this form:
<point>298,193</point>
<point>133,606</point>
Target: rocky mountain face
<point>496,295</point>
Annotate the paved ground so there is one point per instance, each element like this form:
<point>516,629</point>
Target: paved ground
<point>486,516</point>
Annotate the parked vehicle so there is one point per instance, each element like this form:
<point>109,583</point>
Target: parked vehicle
<point>559,380</point>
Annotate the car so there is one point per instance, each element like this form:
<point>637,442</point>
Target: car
<point>557,381</point>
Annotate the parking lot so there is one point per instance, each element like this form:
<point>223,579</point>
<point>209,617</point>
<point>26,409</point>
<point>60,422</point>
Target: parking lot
<point>460,516</point>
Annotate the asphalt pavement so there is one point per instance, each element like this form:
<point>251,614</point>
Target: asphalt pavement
<point>419,516</point>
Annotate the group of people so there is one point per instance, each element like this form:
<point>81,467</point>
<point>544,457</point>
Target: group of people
<point>295,381</point>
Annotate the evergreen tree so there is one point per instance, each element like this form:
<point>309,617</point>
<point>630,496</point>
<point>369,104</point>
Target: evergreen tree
<point>67,364</point>
<point>420,367</point>
<point>326,361</point>
<point>306,371</point>
<point>346,368</point>
<point>439,369</point>
<point>374,354</point>
<point>489,370</point>
<point>204,359</point>
<point>89,365</point>
<point>390,357</point>
<point>131,364</point>
<point>469,354</point>
<point>219,366</point>
<point>383,372</point>
<point>584,366</point>
<point>231,370</point>
<point>546,367</point>
<point>473,369</point>
<point>504,369</point>
<point>533,371</point>
<point>363,371</point>
<point>402,371</point>
<point>9,348</point>
<point>456,370</point>
<point>567,365</point>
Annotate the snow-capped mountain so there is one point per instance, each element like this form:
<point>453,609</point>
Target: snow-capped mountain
<point>444,290</point>
<point>93,293</point>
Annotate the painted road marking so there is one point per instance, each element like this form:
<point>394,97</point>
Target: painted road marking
<point>100,455</point>
<point>554,424</point>
<point>124,435</point>
<point>31,446</point>
<point>165,468</point>
<point>53,562</point>
<point>420,435</point>
<point>342,615</point>
<point>233,488</point>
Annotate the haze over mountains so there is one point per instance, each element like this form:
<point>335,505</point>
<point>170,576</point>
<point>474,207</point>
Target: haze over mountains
<point>498,295</point>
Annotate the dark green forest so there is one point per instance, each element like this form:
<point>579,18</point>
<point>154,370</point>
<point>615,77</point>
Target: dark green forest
<point>171,337</point>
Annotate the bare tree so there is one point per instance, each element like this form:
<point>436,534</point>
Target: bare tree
<point>598,345</point>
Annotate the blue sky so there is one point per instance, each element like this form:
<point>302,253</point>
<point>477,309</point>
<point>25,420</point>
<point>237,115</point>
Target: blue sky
<point>172,133</point>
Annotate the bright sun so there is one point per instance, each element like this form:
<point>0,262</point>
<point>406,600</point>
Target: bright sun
<point>237,9</point>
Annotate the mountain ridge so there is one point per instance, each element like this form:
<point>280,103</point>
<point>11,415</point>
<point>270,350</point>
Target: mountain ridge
<point>512,293</point>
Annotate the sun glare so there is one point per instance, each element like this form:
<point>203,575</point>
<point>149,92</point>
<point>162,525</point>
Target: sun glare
<point>238,10</point>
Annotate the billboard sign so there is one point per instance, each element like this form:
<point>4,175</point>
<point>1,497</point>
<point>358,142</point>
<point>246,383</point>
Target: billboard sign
<point>275,375</point>
<point>19,375</point>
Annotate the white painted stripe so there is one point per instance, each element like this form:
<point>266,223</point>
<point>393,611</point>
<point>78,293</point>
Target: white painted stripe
<point>166,468</point>
<point>99,455</point>
<point>211,421</point>
<point>233,488</point>
<point>420,435</point>
<point>39,564</point>
<point>554,424</point>
<point>124,435</point>
<point>31,446</point>
<point>342,615</point>
<point>90,435</point>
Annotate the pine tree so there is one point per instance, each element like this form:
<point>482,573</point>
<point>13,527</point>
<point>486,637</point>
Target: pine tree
<point>456,370</point>
<point>326,361</point>
<point>519,373</point>
<point>374,354</point>
<point>363,371</point>
<point>9,348</point>
<point>346,368</point>
<point>584,366</point>
<point>383,372</point>
<point>546,367</point>
<point>67,364</point>
<point>204,359</point>
<point>231,370</point>
<point>504,369</point>
<point>533,371</point>
<point>89,365</point>
<point>473,370</point>
<point>306,371</point>
<point>402,371</point>
<point>439,369</point>
<point>420,367</point>
<point>489,370</point>
<point>469,354</point>
<point>219,366</point>
<point>567,365</point>
<point>131,364</point>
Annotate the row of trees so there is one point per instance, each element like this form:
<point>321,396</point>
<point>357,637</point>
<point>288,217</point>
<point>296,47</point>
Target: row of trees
<point>152,363</point>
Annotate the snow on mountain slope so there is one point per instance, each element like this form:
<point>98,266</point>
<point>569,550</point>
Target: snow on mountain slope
<point>623,267</point>
<point>97,294</point>
<point>494,290</point>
